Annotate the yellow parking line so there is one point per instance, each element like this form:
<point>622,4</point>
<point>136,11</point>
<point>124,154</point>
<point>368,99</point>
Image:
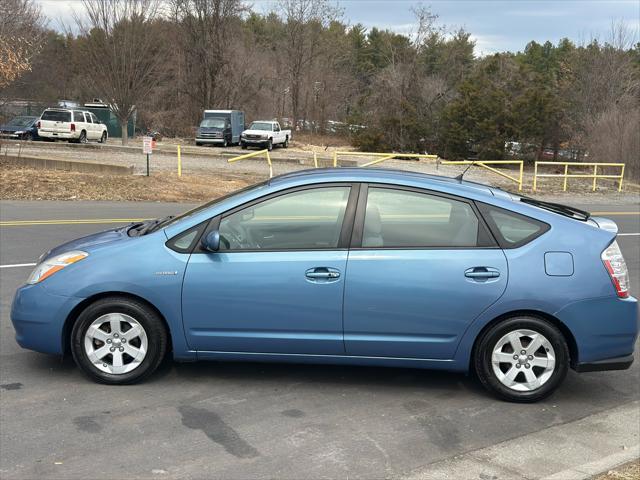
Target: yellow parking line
<point>615,213</point>
<point>88,221</point>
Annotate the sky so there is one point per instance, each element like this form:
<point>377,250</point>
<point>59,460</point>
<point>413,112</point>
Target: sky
<point>495,25</point>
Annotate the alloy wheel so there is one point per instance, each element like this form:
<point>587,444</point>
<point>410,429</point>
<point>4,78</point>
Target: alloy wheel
<point>523,360</point>
<point>116,343</point>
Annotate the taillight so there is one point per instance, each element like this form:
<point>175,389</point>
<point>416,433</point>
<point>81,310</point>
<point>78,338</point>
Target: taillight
<point>73,127</point>
<point>617,268</point>
<point>39,125</point>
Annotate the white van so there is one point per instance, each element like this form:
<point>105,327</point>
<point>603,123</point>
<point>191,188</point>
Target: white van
<point>70,124</point>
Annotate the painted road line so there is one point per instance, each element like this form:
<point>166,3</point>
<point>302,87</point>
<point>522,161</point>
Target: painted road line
<point>615,213</point>
<point>88,221</point>
<point>19,265</point>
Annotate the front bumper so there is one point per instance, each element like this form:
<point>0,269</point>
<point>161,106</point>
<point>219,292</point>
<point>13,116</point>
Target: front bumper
<point>10,135</point>
<point>254,141</point>
<point>219,141</point>
<point>38,318</point>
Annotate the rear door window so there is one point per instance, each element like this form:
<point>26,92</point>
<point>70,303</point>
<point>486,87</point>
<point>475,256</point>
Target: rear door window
<point>78,116</point>
<point>403,218</point>
<point>56,116</point>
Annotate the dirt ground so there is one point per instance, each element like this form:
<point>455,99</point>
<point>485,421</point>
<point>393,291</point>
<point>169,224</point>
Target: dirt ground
<point>31,184</point>
<point>629,471</point>
<point>206,170</point>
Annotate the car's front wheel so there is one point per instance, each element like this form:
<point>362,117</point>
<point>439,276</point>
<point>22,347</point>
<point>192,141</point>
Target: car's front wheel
<point>118,341</point>
<point>522,359</point>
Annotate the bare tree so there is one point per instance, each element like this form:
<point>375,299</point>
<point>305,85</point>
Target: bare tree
<point>122,50</point>
<point>305,20</point>
<point>603,88</point>
<point>210,37</point>
<point>21,32</point>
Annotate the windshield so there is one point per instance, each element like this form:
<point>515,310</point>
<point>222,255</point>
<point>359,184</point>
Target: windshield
<point>261,126</point>
<point>57,115</point>
<point>213,123</point>
<point>204,206</point>
<point>21,121</point>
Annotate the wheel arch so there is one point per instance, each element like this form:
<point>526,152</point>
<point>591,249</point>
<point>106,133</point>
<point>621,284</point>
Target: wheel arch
<point>566,333</point>
<point>75,313</point>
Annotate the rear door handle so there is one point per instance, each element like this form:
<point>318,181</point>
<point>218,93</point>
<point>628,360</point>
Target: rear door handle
<point>322,274</point>
<point>481,273</point>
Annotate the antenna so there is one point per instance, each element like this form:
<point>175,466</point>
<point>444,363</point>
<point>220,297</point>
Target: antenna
<point>461,176</point>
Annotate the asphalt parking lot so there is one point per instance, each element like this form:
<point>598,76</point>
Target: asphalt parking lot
<point>250,420</point>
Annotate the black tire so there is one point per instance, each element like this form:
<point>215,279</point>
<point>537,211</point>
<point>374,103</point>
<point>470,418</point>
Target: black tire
<point>270,145</point>
<point>485,347</point>
<point>198,144</point>
<point>28,137</point>
<point>286,142</point>
<point>83,137</point>
<point>103,138</point>
<point>243,145</point>
<point>145,316</point>
<point>225,144</point>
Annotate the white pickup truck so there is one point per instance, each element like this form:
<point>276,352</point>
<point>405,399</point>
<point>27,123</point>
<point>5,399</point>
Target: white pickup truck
<point>265,134</point>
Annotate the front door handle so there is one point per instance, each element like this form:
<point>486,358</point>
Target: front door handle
<point>322,274</point>
<point>481,273</point>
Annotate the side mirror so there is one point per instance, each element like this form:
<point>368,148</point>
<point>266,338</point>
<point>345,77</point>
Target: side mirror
<point>211,241</point>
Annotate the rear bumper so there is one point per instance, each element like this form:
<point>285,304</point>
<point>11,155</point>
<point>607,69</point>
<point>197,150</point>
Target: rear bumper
<point>62,135</point>
<point>619,363</point>
<point>605,330</point>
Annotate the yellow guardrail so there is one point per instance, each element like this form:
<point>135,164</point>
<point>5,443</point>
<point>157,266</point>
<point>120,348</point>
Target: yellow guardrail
<point>382,156</point>
<point>566,175</point>
<point>486,165</point>
<point>264,152</point>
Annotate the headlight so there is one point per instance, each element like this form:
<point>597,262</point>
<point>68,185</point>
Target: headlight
<point>264,137</point>
<point>55,264</point>
<point>19,132</point>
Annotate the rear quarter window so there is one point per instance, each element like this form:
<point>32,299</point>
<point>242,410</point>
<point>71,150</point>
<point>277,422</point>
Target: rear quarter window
<point>512,229</point>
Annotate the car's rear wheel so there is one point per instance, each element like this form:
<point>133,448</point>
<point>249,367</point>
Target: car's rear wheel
<point>118,341</point>
<point>83,137</point>
<point>286,142</point>
<point>522,359</point>
<point>103,138</point>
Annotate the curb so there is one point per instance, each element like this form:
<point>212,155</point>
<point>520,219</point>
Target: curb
<point>560,452</point>
<point>42,163</point>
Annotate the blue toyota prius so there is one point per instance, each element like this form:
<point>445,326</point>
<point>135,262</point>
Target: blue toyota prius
<point>351,266</point>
